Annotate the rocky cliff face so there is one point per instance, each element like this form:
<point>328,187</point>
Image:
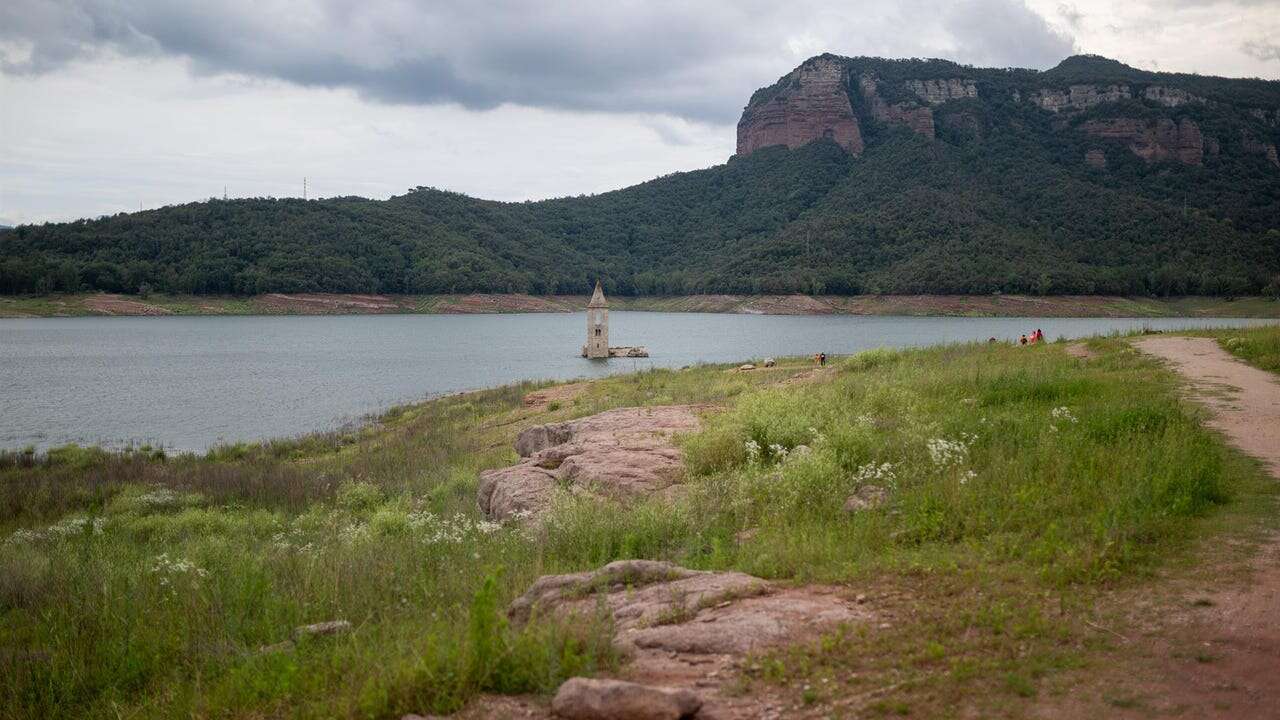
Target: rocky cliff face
<point>1254,145</point>
<point>1083,97</point>
<point>1152,141</point>
<point>812,103</point>
<point>917,117</point>
<point>834,97</point>
<point>936,92</point>
<point>1079,97</point>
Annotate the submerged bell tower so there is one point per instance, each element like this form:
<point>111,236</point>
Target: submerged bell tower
<point>597,326</point>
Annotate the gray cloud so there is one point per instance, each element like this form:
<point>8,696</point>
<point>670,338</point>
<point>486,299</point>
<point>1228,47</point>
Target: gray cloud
<point>1005,33</point>
<point>1071,14</point>
<point>698,61</point>
<point>1261,50</point>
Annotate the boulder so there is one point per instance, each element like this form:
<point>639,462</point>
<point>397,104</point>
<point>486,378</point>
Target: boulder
<point>587,699</point>
<point>868,497</point>
<point>622,454</point>
<point>660,607</point>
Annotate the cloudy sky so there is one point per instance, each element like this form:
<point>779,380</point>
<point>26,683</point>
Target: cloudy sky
<point>112,105</point>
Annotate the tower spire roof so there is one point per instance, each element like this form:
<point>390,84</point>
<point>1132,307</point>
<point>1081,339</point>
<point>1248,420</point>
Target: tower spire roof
<point>597,298</point>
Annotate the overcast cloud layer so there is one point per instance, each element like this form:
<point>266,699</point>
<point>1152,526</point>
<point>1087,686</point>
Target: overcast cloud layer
<point>108,103</point>
<point>691,60</point>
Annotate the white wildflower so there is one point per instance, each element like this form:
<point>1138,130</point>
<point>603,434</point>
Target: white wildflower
<point>158,499</point>
<point>946,453</point>
<point>967,477</point>
<point>353,533</point>
<point>24,537</point>
<point>1064,414</point>
<point>753,451</point>
<point>778,451</point>
<point>63,529</point>
<point>873,474</point>
<point>171,570</point>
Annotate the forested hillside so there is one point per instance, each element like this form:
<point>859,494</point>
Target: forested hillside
<point>1022,183</point>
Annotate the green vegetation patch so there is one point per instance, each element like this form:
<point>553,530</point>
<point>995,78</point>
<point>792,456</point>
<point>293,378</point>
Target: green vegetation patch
<point>1005,486</point>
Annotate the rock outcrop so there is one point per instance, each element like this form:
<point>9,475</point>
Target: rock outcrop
<point>588,699</point>
<point>811,104</point>
<point>1079,97</point>
<point>1096,158</point>
<point>683,629</point>
<point>917,117</point>
<point>620,453</point>
<point>936,92</point>
<point>1253,145</point>
<point>1153,141</point>
<point>1169,96</point>
<point>658,606</point>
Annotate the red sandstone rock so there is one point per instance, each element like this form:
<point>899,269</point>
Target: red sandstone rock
<point>658,607</point>
<point>813,104</point>
<point>620,453</point>
<point>1162,139</point>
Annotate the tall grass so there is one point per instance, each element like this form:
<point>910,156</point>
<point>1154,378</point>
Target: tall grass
<point>1259,346</point>
<point>147,586</point>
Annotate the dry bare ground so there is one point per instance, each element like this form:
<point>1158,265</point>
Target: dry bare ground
<point>1213,647</point>
<point>117,305</point>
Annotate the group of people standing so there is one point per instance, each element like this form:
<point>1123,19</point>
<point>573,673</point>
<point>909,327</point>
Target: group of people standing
<point>1036,337</point>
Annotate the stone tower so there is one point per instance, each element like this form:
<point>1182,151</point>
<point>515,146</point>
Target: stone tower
<point>597,326</point>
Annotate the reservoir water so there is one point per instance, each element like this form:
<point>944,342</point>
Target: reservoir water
<point>187,383</point>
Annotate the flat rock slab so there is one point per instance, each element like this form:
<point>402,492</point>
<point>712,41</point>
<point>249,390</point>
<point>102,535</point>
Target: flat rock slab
<point>587,699</point>
<point>621,453</point>
<point>686,634</point>
<point>658,606</point>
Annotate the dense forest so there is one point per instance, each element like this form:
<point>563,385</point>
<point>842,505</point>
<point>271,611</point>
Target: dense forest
<point>1001,202</point>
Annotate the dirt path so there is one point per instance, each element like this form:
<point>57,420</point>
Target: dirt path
<point>1215,651</point>
<point>1244,401</point>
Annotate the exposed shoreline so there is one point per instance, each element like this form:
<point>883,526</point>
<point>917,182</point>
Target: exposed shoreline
<point>103,304</point>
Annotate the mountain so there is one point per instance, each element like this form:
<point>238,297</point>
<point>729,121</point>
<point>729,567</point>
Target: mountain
<point>852,175</point>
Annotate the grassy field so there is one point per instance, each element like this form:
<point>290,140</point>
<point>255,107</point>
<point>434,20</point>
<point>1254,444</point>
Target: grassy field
<point>1023,484</point>
<point>1260,346</point>
<point>71,305</point>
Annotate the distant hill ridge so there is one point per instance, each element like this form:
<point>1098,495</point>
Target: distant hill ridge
<point>853,175</point>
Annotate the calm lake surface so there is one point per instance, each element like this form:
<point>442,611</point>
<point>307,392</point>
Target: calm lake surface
<point>188,383</point>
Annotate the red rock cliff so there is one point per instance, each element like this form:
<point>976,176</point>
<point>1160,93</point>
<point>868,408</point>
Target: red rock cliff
<point>812,103</point>
<point>1161,139</point>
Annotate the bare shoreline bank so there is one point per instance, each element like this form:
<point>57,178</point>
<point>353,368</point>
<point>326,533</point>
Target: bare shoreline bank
<point>104,304</point>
